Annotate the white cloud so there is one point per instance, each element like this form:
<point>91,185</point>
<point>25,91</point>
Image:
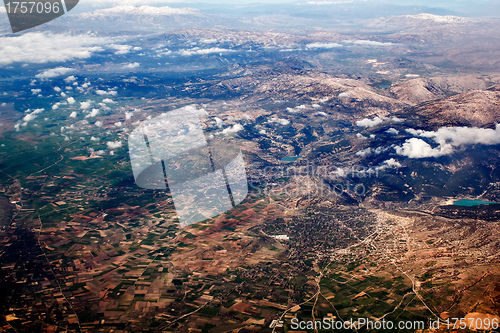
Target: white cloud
<point>114,144</point>
<point>70,79</point>
<point>36,91</point>
<point>448,139</point>
<point>372,151</point>
<point>218,122</point>
<point>121,49</point>
<point>323,45</point>
<point>71,100</point>
<point>459,136</point>
<point>93,113</point>
<point>297,109</point>
<point>367,43</point>
<point>392,131</point>
<point>54,72</point>
<point>32,115</point>
<point>132,65</point>
<point>389,164</point>
<point>370,122</point>
<point>376,121</point>
<point>57,89</point>
<point>364,152</point>
<point>103,92</point>
<point>98,123</point>
<point>95,139</point>
<point>128,115</point>
<point>43,48</point>
<point>73,114</point>
<point>208,40</point>
<point>418,148</point>
<point>283,122</point>
<point>197,51</point>
<point>85,105</point>
<point>235,129</point>
<point>392,163</point>
<point>108,100</point>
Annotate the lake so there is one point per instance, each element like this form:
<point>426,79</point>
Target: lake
<point>470,203</point>
<point>290,159</point>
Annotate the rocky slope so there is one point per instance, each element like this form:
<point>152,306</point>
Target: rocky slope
<point>475,108</point>
<point>421,90</point>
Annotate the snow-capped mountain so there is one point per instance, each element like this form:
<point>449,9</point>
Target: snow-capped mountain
<point>141,18</point>
<point>446,19</point>
<point>121,11</point>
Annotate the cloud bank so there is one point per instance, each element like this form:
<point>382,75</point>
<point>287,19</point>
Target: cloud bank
<point>54,72</point>
<point>447,140</point>
<point>367,43</point>
<point>197,51</point>
<point>323,45</point>
<point>376,121</point>
<point>40,48</point>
